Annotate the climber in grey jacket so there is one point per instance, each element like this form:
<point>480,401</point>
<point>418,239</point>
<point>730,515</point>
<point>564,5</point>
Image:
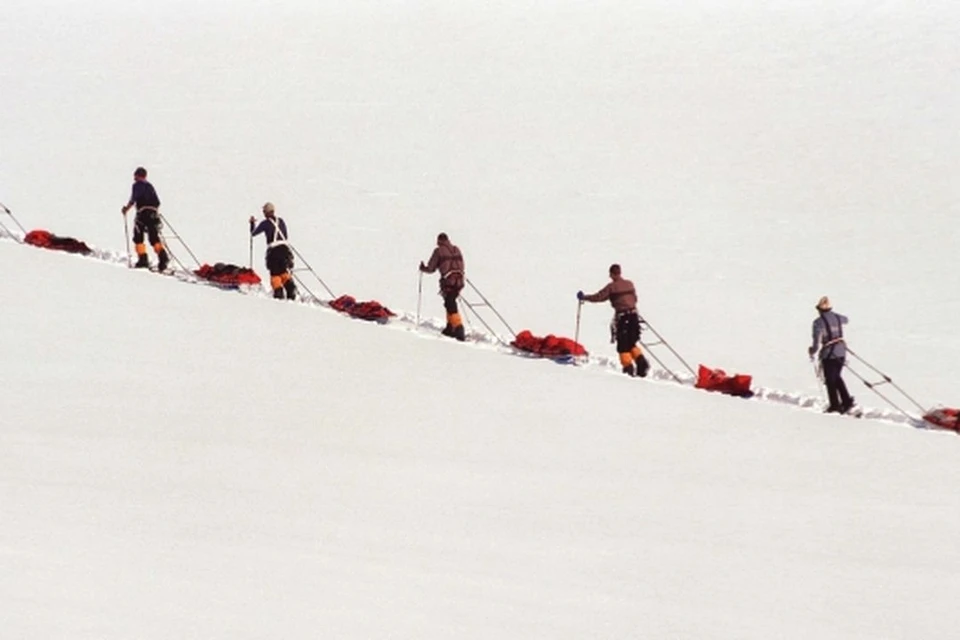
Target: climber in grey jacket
<point>828,339</point>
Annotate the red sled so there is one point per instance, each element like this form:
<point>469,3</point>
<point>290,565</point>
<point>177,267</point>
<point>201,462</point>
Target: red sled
<point>47,240</point>
<point>718,380</point>
<point>228,276</point>
<point>944,418</point>
<point>369,310</point>
<point>550,346</point>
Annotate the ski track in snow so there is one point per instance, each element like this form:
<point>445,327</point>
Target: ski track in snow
<point>407,321</point>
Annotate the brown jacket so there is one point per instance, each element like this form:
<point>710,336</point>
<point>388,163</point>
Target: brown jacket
<point>620,292</point>
<point>449,261</point>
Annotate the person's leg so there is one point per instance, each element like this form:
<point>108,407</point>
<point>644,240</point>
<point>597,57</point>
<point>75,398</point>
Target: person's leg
<point>139,225</point>
<point>626,340</point>
<point>454,327</point>
<point>831,376</point>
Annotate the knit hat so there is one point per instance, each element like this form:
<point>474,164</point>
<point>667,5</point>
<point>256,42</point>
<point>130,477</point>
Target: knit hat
<point>140,172</point>
<point>268,207</point>
<point>824,304</point>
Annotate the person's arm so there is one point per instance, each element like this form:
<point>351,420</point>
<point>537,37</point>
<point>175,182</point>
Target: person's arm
<point>816,337</point>
<point>133,198</point>
<point>600,296</point>
<point>433,263</point>
<point>261,228</point>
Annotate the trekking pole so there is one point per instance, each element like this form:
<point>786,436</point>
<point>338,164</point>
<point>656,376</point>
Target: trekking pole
<point>419,297</point>
<point>17,222</point>
<point>576,333</point>
<point>251,253</point>
<point>126,238</point>
<point>818,372</point>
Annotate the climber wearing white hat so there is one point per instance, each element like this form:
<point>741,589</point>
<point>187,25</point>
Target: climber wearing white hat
<point>828,339</point>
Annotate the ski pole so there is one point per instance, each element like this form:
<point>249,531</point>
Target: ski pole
<point>126,238</point>
<point>419,297</point>
<point>818,372</point>
<point>251,253</point>
<point>576,334</point>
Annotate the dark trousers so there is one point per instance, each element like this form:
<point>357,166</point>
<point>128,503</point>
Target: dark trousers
<point>450,300</point>
<point>836,388</point>
<point>628,331</point>
<point>279,260</point>
<point>147,222</point>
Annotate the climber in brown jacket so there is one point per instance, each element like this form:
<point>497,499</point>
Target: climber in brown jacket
<point>623,297</point>
<point>449,261</point>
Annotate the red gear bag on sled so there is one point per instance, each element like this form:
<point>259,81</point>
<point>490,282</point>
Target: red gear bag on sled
<point>549,347</point>
<point>227,275</point>
<point>370,310</point>
<point>718,380</point>
<point>944,418</point>
<point>46,240</point>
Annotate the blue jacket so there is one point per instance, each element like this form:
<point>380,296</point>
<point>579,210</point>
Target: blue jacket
<point>828,335</point>
<point>268,227</point>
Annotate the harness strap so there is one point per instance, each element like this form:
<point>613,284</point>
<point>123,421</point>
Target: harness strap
<point>278,238</point>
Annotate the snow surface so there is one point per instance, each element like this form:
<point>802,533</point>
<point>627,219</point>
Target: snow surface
<point>176,461</point>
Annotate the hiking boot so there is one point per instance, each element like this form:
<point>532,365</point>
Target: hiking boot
<point>162,260</point>
<point>447,330</point>
<point>278,293</point>
<point>845,408</point>
<point>459,333</point>
<point>832,409</point>
<point>142,262</point>
<point>629,370</point>
<point>291,288</point>
<point>643,366</point>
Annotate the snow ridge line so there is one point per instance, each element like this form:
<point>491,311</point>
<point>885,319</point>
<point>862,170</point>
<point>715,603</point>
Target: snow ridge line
<point>407,322</point>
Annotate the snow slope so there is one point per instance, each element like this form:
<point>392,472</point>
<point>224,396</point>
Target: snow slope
<point>177,461</point>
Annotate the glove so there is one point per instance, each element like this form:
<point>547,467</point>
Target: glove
<point>811,351</point>
<point>422,266</point>
<point>124,209</point>
<point>580,296</point>
<point>252,219</point>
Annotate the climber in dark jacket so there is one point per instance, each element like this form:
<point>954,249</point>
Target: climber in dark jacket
<point>279,257</point>
<point>147,221</point>
<point>447,259</point>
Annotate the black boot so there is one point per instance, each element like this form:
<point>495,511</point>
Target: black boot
<point>142,262</point>
<point>162,260</point>
<point>846,406</point>
<point>459,333</point>
<point>278,293</point>
<point>447,330</point>
<point>291,288</point>
<point>629,370</point>
<point>642,366</point>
